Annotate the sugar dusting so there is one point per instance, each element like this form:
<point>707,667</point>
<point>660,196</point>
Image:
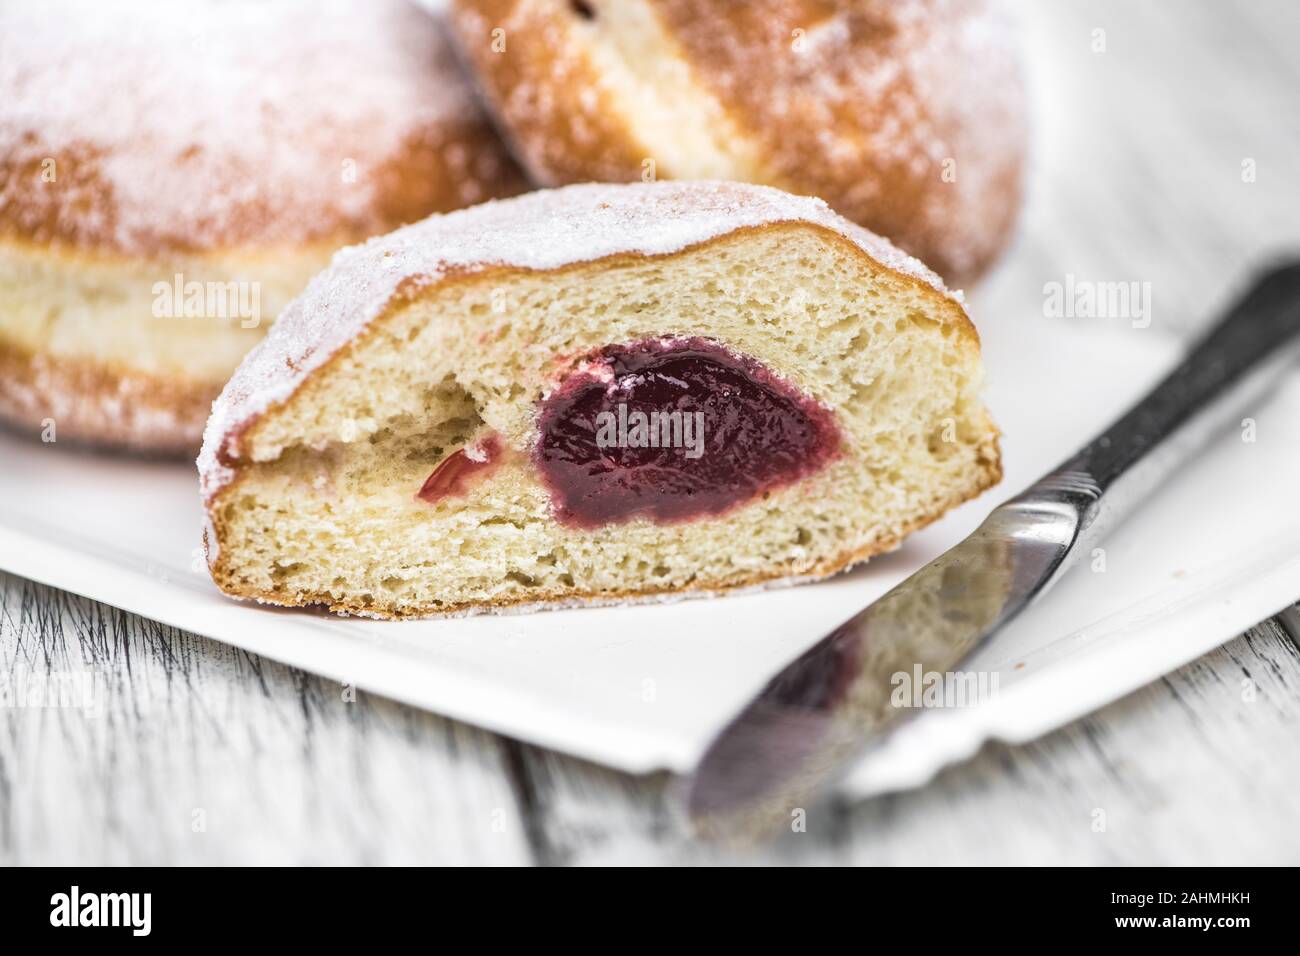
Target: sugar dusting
<point>872,100</point>
<point>906,115</point>
<point>542,230</point>
<point>180,122</point>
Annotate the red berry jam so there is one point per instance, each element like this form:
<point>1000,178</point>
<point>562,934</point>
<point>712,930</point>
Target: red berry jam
<point>674,429</point>
<point>455,473</point>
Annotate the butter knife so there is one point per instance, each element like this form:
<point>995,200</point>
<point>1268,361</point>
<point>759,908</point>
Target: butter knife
<point>807,726</point>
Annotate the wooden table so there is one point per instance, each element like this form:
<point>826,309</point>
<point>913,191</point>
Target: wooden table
<point>1167,148</point>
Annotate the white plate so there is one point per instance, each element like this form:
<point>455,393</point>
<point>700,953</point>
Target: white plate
<point>643,688</point>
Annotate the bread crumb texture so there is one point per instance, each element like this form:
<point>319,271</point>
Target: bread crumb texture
<point>316,452</point>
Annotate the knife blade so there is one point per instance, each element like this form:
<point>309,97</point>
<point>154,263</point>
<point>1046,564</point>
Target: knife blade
<point>812,720</point>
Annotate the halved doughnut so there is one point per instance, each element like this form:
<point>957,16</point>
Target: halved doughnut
<point>589,395</point>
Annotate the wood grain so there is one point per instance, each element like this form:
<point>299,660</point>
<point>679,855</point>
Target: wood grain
<point>1192,769</point>
<point>184,750</point>
<point>176,749</point>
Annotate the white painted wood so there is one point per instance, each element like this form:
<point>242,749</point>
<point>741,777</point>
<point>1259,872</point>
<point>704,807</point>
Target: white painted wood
<point>1197,768</point>
<point>172,748</point>
<point>1138,150</point>
<point>1137,176</point>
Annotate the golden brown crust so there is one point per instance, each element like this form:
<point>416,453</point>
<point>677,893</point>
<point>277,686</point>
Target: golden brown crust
<point>565,129</point>
<point>286,148</point>
<point>989,475</point>
<point>439,170</point>
<point>242,434</point>
<point>436,170</point>
<point>902,115</point>
<point>97,404</point>
<point>107,400</point>
<point>245,433</point>
<point>894,181</point>
<point>339,123</point>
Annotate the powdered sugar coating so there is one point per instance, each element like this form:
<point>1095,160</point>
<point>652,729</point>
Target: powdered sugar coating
<point>908,116</point>
<point>543,230</point>
<point>196,123</point>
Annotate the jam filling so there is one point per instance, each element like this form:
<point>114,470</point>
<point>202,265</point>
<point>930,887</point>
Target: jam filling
<point>674,429</point>
<point>454,475</point>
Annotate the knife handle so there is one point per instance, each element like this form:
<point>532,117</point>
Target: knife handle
<point>1233,366</point>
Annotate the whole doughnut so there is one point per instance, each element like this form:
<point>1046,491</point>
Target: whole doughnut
<point>904,115</point>
<point>173,171</point>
